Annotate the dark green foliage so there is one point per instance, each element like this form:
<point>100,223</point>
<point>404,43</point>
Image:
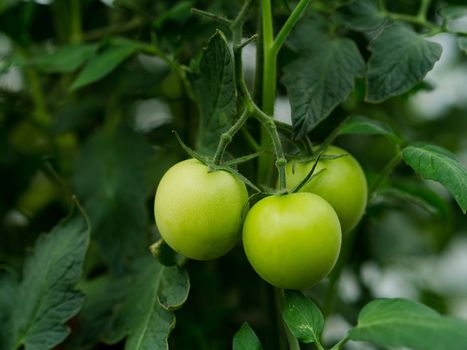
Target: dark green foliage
<point>89,96</point>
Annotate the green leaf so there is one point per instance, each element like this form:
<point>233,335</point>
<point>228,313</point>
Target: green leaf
<point>363,15</point>
<point>145,315</point>
<point>102,294</point>
<point>321,77</point>
<point>5,5</point>
<point>453,12</point>
<point>401,322</point>
<point>246,339</point>
<point>65,59</point>
<point>419,195</point>
<point>360,125</point>
<point>400,59</point>
<point>46,297</point>
<point>303,317</point>
<point>438,164</point>
<point>8,291</point>
<point>462,42</point>
<point>178,12</point>
<point>109,178</point>
<point>216,93</point>
<point>102,64</point>
<point>163,253</point>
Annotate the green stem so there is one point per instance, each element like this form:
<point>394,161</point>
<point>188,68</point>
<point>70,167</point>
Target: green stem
<point>288,25</point>
<point>413,19</point>
<point>270,60</point>
<point>211,15</point>
<point>340,344</point>
<point>75,22</point>
<point>271,48</point>
<point>382,6</point>
<point>41,113</point>
<point>334,278</point>
<point>268,93</point>
<point>118,28</point>
<point>227,136</point>
<point>250,139</point>
<point>385,173</point>
<point>270,127</point>
<point>291,340</point>
<point>423,10</point>
<point>266,120</point>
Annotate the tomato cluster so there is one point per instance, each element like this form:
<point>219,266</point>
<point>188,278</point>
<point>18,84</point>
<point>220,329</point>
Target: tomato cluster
<point>291,240</point>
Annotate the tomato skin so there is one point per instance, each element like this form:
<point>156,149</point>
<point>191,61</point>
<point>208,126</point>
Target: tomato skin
<point>292,241</point>
<point>343,184</point>
<point>199,213</point>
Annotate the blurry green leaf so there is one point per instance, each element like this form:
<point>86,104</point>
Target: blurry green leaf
<point>144,316</point>
<point>8,291</point>
<point>180,10</point>
<point>419,195</point>
<point>216,93</point>
<point>438,164</point>
<point>92,322</point>
<point>47,298</point>
<point>400,59</point>
<point>453,12</point>
<point>73,114</point>
<point>462,42</point>
<point>65,59</point>
<point>363,15</point>
<point>401,322</point>
<point>322,76</point>
<point>102,64</point>
<point>361,125</point>
<point>109,178</point>
<point>303,317</point>
<point>7,4</point>
<point>246,339</point>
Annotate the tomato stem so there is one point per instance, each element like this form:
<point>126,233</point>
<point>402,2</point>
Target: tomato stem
<point>292,341</point>
<point>288,25</point>
<point>340,344</point>
<point>212,16</point>
<point>420,18</point>
<point>227,136</point>
<point>390,166</point>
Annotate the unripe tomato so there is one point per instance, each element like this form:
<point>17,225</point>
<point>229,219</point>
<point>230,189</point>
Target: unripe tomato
<point>199,213</point>
<point>343,184</point>
<point>292,241</point>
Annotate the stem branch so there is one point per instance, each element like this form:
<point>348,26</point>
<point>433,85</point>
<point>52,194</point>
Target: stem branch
<point>288,25</point>
<point>227,136</point>
<point>423,10</point>
<point>385,173</point>
<point>211,15</point>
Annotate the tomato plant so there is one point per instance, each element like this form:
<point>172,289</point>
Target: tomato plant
<point>336,128</point>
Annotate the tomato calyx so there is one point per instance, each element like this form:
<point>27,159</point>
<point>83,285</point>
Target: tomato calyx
<point>226,166</point>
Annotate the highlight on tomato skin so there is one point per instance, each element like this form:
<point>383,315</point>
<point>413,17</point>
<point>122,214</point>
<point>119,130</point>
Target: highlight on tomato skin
<point>197,212</point>
<point>292,241</point>
<point>342,183</point>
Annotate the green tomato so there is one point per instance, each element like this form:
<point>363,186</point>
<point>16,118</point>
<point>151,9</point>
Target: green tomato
<point>343,184</point>
<point>292,241</point>
<point>199,213</point>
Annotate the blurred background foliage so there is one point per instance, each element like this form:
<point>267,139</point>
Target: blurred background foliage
<point>89,93</point>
